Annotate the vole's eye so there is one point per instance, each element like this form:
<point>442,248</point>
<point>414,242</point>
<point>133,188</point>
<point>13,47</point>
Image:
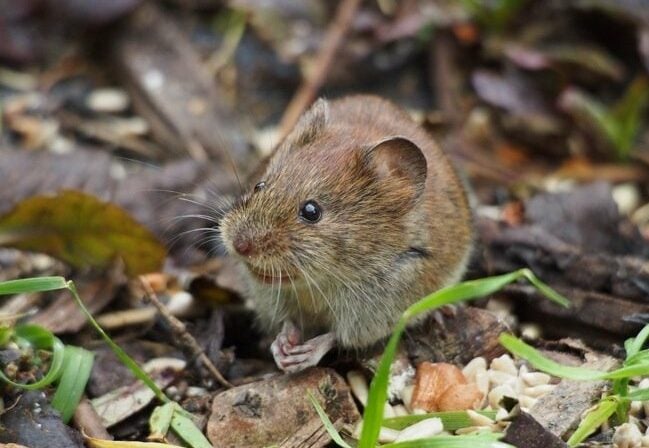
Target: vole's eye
<point>260,186</point>
<point>310,211</point>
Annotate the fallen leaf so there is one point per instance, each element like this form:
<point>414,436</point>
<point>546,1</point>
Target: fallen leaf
<point>99,443</point>
<point>82,230</point>
<point>511,91</point>
<point>119,404</point>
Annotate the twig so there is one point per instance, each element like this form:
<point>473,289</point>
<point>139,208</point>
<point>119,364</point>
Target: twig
<point>310,86</point>
<point>446,77</point>
<point>89,422</point>
<point>180,332</point>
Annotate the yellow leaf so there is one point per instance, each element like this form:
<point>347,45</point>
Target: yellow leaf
<point>83,231</point>
<point>99,443</point>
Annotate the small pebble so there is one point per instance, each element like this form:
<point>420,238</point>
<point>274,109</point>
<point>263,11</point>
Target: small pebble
<point>497,393</point>
<point>475,366</point>
<point>535,378</point>
<point>530,331</point>
<point>482,381</point>
<point>473,429</point>
<point>400,410</point>
<point>108,100</point>
<point>636,408</point>
<point>505,364</point>
<point>527,402</point>
<point>627,197</point>
<point>181,303</point>
<point>426,428</point>
<point>42,262</point>
<point>388,412</point>
<point>501,414</point>
<point>519,386</point>
<point>387,435</point>
<point>406,395</point>
<point>627,435</point>
<point>498,377</point>
<point>117,171</point>
<point>479,419</point>
<point>645,441</point>
<point>538,391</point>
<point>62,145</point>
<point>358,385</point>
<point>194,391</point>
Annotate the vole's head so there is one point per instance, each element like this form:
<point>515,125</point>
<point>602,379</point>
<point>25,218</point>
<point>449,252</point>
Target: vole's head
<point>330,207</point>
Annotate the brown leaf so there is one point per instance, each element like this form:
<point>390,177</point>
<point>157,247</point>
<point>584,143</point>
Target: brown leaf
<point>511,91</point>
<point>460,397</point>
<point>83,231</point>
<point>432,382</point>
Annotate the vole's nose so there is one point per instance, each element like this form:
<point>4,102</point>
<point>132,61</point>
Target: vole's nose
<point>243,245</point>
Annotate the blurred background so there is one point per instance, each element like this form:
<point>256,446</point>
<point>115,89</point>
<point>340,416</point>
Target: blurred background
<point>154,105</point>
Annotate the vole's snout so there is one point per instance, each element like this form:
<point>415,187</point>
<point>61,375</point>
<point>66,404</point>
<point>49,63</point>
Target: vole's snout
<point>243,245</point>
<point>252,243</point>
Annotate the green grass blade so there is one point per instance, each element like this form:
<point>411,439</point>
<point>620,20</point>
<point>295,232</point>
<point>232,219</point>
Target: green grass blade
<point>638,395</point>
<point>641,357</point>
<point>474,289</point>
<point>76,371</point>
<point>593,420</point>
<point>373,415</point>
<point>160,421</point>
<point>460,292</point>
<point>545,289</point>
<point>185,428</point>
<point>36,336</point>
<point>469,290</point>
<point>37,284</point>
<point>44,340</point>
<point>487,440</point>
<point>535,358</point>
<point>596,115</point>
<point>6,333</point>
<point>452,420</point>
<point>540,362</point>
<point>634,345</point>
<point>119,352</point>
<point>628,112</point>
<point>331,429</point>
<point>627,372</point>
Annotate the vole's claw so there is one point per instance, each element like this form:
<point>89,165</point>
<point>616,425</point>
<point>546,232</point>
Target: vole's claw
<point>299,349</point>
<point>295,357</point>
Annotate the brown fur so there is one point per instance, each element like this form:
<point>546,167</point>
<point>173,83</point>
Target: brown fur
<point>353,272</point>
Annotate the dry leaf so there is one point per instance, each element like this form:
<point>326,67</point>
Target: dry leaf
<point>432,381</point>
<point>460,397</point>
<point>99,443</point>
<point>83,231</point>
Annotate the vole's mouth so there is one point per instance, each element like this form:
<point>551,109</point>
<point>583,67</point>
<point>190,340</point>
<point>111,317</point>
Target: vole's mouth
<point>270,278</point>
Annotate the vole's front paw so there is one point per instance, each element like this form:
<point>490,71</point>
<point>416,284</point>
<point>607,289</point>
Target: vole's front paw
<point>292,356</point>
<point>441,314</point>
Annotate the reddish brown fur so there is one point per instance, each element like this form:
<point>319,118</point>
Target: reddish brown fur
<point>353,272</point>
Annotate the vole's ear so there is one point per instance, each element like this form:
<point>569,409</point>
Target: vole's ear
<point>310,124</point>
<point>398,158</point>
